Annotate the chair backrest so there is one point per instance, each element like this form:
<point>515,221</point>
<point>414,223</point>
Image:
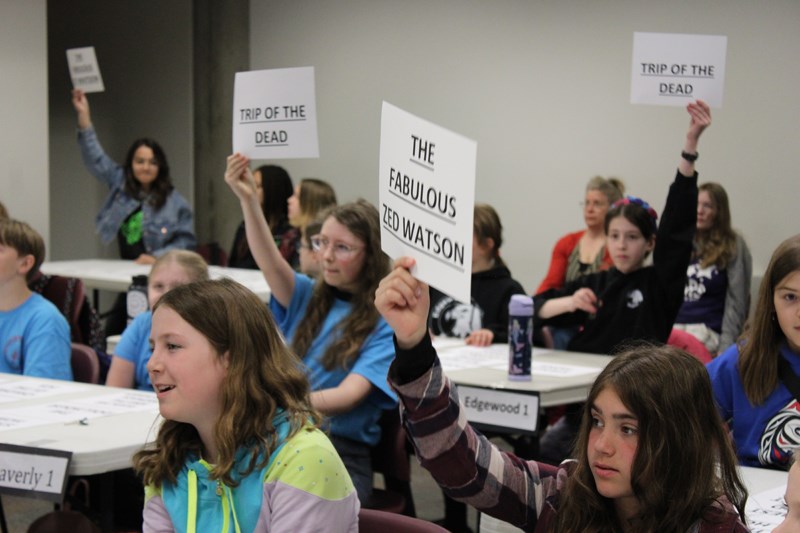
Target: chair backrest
<point>390,458</point>
<point>689,343</point>
<point>212,253</point>
<point>373,521</point>
<point>85,364</point>
<point>63,521</point>
<point>69,296</point>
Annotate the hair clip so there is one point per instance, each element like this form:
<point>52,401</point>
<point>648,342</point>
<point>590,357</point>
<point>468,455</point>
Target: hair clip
<point>627,200</point>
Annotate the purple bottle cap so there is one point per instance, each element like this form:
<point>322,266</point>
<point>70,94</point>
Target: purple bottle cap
<point>520,305</point>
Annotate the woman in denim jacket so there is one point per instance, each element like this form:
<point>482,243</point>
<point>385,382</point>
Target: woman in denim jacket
<point>142,210</point>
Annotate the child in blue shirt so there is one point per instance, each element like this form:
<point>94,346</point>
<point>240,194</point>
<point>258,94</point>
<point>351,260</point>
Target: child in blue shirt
<point>762,412</point>
<point>331,322</point>
<point>34,335</point>
<point>129,364</point>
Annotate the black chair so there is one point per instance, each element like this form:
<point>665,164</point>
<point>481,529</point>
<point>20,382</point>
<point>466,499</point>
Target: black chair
<point>390,458</point>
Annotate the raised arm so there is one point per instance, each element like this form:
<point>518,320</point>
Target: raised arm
<point>81,105</point>
<point>700,115</point>
<point>277,272</point>
<point>464,463</point>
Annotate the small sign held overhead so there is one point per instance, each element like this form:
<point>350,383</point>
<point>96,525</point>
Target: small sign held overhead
<point>84,70</point>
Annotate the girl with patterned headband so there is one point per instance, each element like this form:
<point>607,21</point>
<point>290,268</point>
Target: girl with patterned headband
<point>629,301</point>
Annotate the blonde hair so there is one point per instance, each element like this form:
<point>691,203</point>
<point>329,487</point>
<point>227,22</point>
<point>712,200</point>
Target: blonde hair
<point>192,263</point>
<point>613,188</point>
<point>314,196</point>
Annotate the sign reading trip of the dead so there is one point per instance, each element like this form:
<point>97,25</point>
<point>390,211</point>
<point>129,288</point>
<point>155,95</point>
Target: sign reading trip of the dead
<point>675,69</point>
<point>275,114</point>
<point>427,197</point>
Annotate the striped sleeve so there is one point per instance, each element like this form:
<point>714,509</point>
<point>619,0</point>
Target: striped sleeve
<point>467,466</point>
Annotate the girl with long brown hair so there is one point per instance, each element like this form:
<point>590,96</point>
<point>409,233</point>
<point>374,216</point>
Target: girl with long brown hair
<point>331,322</point>
<point>717,294</point>
<point>239,447</point>
<point>750,378</point>
<point>652,455</point>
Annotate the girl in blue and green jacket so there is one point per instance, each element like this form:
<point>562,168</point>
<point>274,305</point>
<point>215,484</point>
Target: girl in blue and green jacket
<point>239,449</point>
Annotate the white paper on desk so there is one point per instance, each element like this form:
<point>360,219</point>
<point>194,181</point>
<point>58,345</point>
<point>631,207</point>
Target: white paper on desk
<point>275,113</point>
<point>765,510</point>
<point>465,357</point>
<point>496,356</point>
<point>84,70</point>
<point>65,412</point>
<point>674,69</point>
<point>14,391</point>
<point>11,421</point>
<point>123,402</point>
<point>427,197</point>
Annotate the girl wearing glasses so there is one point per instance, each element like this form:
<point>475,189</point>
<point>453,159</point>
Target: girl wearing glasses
<point>331,323</point>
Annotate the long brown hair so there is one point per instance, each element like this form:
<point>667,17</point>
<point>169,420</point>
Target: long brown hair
<point>362,220</point>
<point>263,375</point>
<point>716,245</point>
<point>684,460</point>
<point>758,360</point>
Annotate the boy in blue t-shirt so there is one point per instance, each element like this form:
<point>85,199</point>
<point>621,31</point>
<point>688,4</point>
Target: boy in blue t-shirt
<point>34,335</point>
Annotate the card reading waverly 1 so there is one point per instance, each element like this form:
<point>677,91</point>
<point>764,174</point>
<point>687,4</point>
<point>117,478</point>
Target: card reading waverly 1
<point>427,197</point>
<point>275,114</point>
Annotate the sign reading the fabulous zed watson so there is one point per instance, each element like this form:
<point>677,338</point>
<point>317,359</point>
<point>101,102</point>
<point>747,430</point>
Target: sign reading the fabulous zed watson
<point>427,196</point>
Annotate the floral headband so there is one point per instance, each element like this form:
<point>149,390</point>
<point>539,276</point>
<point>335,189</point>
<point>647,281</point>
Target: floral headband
<point>641,203</point>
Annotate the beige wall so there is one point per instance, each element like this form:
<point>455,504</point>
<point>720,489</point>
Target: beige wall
<point>23,113</point>
<point>544,88</point>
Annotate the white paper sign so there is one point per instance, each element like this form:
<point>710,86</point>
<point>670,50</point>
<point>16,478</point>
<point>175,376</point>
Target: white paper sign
<point>84,70</point>
<point>513,410</point>
<point>33,471</point>
<point>427,197</point>
<point>275,114</point>
<point>675,69</point>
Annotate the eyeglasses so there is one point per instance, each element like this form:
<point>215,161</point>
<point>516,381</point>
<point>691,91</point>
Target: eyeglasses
<point>340,249</point>
<point>596,205</point>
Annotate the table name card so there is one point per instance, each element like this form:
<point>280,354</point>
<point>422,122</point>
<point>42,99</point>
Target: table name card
<point>500,410</point>
<point>33,472</point>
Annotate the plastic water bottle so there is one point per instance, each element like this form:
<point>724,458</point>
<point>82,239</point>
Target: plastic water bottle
<point>520,337</point>
<point>136,302</point>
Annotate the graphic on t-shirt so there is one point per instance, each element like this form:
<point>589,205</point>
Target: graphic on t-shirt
<point>696,281</point>
<point>781,435</point>
<point>635,297</point>
<point>455,319</point>
<point>12,350</point>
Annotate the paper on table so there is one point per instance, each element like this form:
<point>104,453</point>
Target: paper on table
<point>14,391</point>
<point>87,408</point>
<point>765,510</point>
<point>496,356</point>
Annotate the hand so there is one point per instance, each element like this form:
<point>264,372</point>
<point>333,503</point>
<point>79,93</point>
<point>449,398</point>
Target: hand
<point>239,178</point>
<point>584,300</point>
<point>480,337</point>
<point>404,302</point>
<point>81,105</point>
<point>145,259</point>
<point>700,114</point>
